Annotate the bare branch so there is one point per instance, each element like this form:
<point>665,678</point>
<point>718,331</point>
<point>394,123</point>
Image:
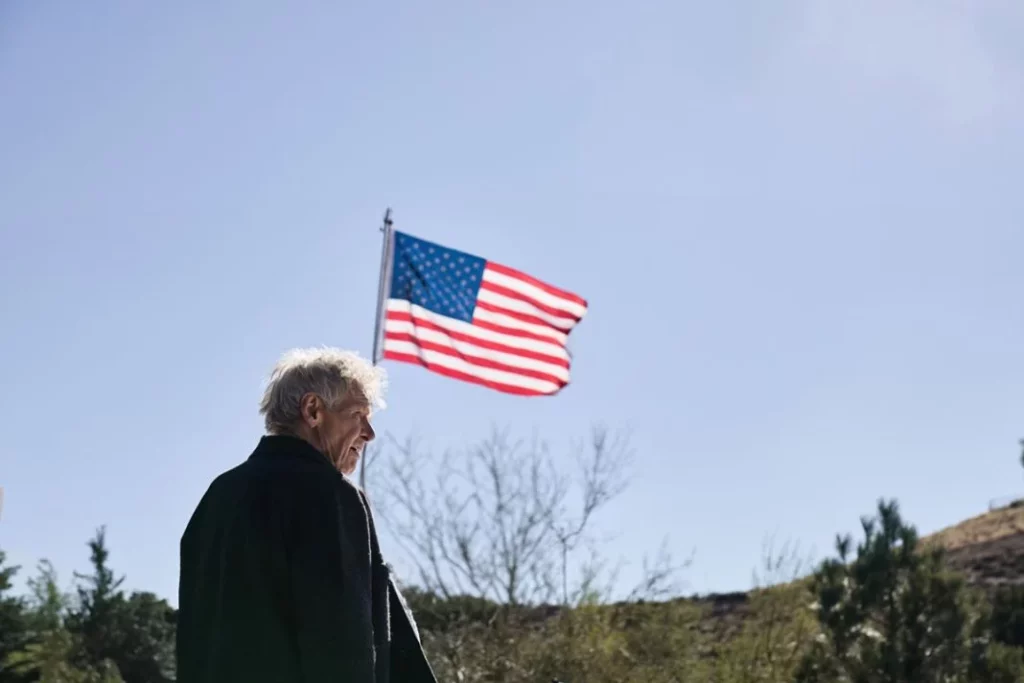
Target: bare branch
<point>659,576</point>
<point>780,564</point>
<point>500,519</point>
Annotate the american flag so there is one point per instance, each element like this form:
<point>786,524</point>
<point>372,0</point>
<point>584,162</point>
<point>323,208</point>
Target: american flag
<point>475,320</point>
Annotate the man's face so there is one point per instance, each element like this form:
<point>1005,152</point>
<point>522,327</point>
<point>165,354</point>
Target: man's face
<point>346,430</point>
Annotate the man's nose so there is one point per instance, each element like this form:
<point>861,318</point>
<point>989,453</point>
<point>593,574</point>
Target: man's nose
<point>368,432</point>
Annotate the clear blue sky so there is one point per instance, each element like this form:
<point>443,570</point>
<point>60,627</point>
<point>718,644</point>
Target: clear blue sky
<point>798,224</point>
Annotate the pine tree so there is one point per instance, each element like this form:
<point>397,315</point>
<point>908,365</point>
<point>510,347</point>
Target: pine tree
<point>1007,616</point>
<point>132,635</point>
<point>99,596</point>
<point>52,653</point>
<point>896,614</point>
<point>13,629</point>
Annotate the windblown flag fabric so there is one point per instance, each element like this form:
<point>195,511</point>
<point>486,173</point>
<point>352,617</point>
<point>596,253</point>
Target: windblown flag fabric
<point>475,320</point>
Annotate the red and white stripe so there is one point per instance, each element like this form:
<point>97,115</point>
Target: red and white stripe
<point>516,342</point>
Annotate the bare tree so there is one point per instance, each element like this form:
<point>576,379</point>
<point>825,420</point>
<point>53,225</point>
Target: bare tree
<point>501,519</point>
<point>370,454</point>
<point>659,579</point>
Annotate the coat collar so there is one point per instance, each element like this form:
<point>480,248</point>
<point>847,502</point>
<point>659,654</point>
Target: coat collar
<point>283,445</point>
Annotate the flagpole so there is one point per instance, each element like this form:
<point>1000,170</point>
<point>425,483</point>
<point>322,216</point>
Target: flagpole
<point>383,285</point>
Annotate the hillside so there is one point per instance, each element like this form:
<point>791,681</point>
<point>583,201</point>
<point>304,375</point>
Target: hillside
<point>989,548</point>
<point>761,635</point>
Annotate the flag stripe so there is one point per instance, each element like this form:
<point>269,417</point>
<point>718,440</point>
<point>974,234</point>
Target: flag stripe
<point>455,374</point>
<point>498,316</point>
<point>437,361</point>
<point>480,323</point>
<point>512,272</point>
<point>482,358</point>
<point>555,305</point>
<point>532,307</point>
<point>503,316</point>
<point>522,309</point>
<point>518,341</point>
<point>457,340</point>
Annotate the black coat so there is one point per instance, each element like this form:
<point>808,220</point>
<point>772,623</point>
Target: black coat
<point>282,580</point>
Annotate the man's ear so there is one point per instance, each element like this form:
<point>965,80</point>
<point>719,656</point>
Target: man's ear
<point>311,410</point>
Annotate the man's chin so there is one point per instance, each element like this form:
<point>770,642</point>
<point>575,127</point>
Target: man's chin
<point>349,463</point>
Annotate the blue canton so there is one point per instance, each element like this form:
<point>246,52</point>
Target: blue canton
<point>441,280</point>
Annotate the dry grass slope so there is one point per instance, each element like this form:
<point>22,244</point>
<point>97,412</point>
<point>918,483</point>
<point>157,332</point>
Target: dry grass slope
<point>990,526</point>
<point>989,548</point>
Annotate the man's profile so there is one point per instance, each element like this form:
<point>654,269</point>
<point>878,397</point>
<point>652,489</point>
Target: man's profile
<point>282,578</point>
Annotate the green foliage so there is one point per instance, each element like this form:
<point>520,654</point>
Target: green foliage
<point>94,617</point>
<point>1007,616</point>
<point>773,638</point>
<point>49,659</point>
<point>434,613</point>
<point>680,641</point>
<point>48,601</point>
<point>144,643</point>
<point>99,635</point>
<point>997,663</point>
<point>654,643</point>
<point>53,653</point>
<point>895,613</point>
<point>885,610</point>
<point>13,629</point>
<point>134,634</point>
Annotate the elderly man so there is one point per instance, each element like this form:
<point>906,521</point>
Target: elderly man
<point>282,580</point>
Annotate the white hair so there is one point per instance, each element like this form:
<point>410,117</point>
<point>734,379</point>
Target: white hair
<point>327,372</point>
